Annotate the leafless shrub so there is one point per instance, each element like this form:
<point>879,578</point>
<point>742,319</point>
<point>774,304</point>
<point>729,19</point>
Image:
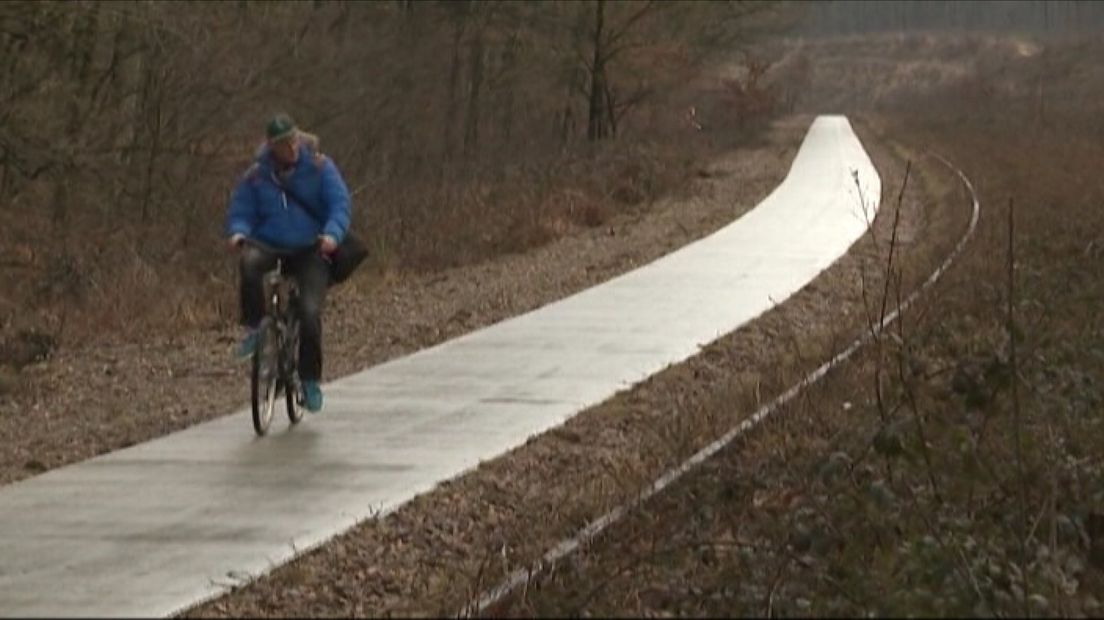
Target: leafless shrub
<point>456,124</point>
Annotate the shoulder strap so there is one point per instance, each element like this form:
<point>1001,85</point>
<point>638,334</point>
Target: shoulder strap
<point>290,194</point>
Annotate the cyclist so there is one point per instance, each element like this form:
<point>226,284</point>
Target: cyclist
<point>292,203</point>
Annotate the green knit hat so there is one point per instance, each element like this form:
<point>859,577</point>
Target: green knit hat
<point>281,126</point>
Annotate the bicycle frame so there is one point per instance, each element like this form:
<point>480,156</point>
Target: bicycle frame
<point>282,294</point>
<point>277,369</point>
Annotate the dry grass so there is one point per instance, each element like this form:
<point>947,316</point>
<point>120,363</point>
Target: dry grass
<point>941,473</point>
<point>894,487</point>
<point>111,281</point>
<point>447,545</point>
<point>91,399</point>
<point>466,132</point>
<point>902,485</point>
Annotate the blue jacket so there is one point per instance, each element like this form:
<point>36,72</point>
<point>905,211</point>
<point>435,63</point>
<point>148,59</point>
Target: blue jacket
<point>260,210</point>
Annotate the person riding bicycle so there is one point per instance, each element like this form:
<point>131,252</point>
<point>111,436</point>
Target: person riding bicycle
<point>291,203</point>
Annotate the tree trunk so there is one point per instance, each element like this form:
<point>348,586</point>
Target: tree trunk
<point>60,201</point>
<point>471,123</point>
<point>453,85</point>
<point>509,60</point>
<point>405,156</point>
<point>610,108</point>
<point>596,126</point>
<point>151,164</point>
<point>127,81</point>
<point>84,42</point>
<point>5,176</point>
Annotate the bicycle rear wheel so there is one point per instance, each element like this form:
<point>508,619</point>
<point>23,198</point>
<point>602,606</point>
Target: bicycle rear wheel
<point>266,375</point>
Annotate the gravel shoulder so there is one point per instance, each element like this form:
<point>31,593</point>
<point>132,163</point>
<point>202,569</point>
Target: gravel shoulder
<point>447,546</point>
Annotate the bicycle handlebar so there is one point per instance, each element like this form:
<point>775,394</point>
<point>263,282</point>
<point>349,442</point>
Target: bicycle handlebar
<point>260,245</point>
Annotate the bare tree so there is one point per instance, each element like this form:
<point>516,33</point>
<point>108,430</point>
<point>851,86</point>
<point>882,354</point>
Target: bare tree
<point>123,124</point>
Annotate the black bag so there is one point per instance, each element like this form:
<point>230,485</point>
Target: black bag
<point>350,253</point>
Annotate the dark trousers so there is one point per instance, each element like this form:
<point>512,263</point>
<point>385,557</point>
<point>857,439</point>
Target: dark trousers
<point>312,273</point>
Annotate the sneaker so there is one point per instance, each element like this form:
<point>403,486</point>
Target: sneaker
<point>312,396</point>
<point>248,344</point>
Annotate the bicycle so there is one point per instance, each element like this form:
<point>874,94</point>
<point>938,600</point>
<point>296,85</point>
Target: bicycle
<point>276,358</point>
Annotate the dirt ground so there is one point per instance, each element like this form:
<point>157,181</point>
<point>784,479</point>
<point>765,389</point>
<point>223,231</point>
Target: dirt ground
<point>445,547</point>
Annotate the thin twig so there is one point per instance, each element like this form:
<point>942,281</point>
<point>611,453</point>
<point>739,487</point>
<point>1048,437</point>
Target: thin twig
<point>1016,422</point>
<point>910,394</point>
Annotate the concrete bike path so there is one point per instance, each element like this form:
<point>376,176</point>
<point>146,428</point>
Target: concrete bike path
<point>155,528</point>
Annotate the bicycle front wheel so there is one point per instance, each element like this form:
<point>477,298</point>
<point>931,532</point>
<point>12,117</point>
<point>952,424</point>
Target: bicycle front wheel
<point>292,387</point>
<point>266,375</point>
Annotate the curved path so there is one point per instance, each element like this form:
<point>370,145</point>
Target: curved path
<point>158,527</point>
